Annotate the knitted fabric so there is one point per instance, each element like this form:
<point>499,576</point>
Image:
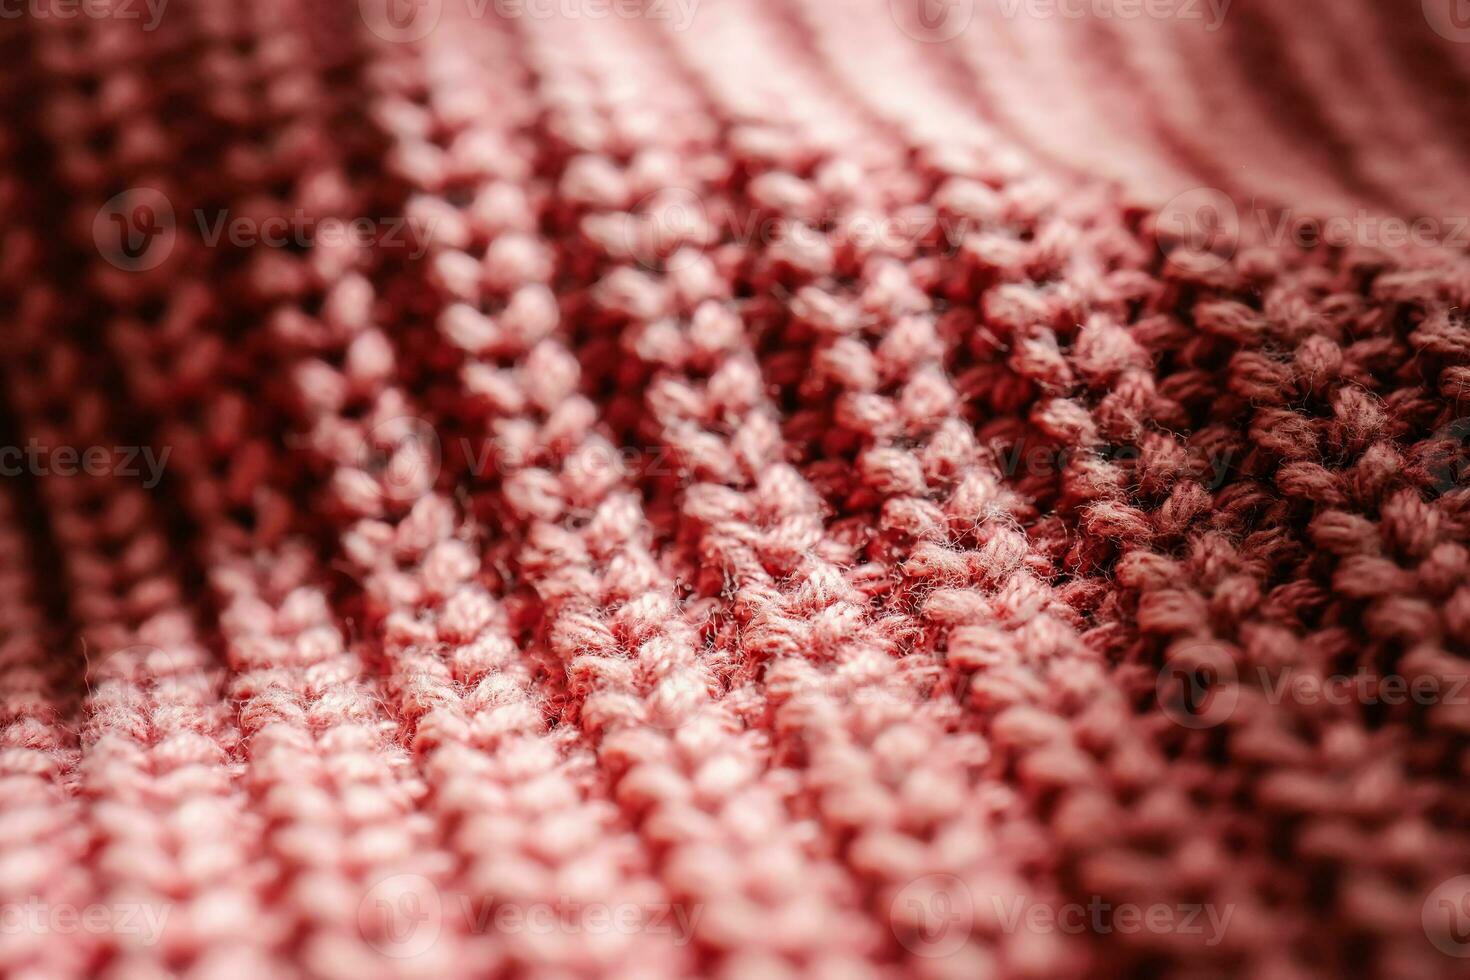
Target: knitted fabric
<point>736,488</point>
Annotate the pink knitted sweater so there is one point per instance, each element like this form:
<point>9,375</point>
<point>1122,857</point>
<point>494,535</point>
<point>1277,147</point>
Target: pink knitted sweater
<point>737,488</point>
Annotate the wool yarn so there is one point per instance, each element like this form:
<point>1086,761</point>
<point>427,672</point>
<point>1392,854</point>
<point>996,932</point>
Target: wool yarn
<point>734,488</point>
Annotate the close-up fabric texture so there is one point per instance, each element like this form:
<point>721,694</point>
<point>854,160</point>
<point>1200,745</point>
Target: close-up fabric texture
<point>745,489</point>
